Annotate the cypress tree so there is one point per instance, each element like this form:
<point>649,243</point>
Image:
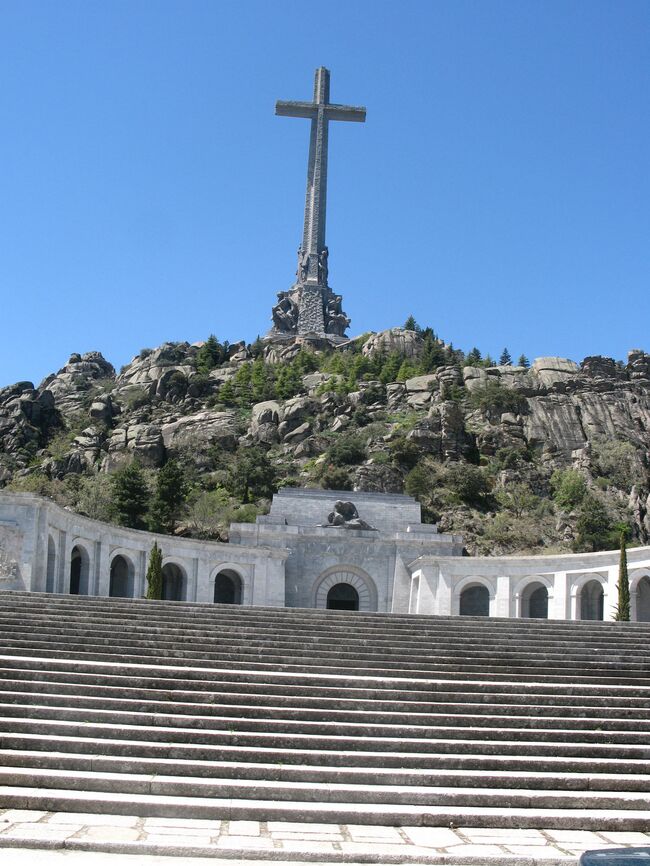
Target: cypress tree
<point>154,573</point>
<point>623,586</point>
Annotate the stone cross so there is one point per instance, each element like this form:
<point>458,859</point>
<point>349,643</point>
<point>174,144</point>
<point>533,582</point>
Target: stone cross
<point>313,253</point>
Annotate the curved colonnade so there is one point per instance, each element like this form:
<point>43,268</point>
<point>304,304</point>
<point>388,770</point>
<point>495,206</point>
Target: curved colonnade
<point>66,553</point>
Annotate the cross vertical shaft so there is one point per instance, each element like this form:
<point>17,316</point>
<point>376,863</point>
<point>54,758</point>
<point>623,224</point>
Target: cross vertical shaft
<point>313,253</point>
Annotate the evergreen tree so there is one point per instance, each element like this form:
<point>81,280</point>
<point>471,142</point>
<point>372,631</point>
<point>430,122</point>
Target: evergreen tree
<point>473,358</point>
<point>154,573</point>
<point>593,525</point>
<point>227,393</point>
<point>263,387</point>
<point>505,360</point>
<point>623,586</point>
<point>252,477</point>
<point>433,355</point>
<point>171,491</point>
<point>410,324</point>
<point>130,496</point>
<point>211,354</point>
<point>523,361</point>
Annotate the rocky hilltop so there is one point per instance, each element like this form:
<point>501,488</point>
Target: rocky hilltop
<point>553,455</point>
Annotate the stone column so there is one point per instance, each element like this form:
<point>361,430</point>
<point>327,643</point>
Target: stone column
<point>62,584</point>
<point>501,605</point>
<point>560,607</point>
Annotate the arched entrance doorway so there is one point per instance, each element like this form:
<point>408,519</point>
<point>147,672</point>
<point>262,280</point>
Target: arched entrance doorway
<point>475,601</point>
<point>51,565</point>
<point>342,596</point>
<point>121,584</point>
<point>534,601</point>
<point>592,600</point>
<point>173,586</point>
<point>643,600</point>
<point>228,587</point>
<point>79,571</point>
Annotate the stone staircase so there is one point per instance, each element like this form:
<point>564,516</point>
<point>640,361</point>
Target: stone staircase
<point>171,709</point>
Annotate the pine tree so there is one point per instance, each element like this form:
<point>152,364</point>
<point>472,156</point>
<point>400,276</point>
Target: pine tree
<point>410,324</point>
<point>505,360</point>
<point>130,496</point>
<point>171,490</point>
<point>227,393</point>
<point>623,607</point>
<point>154,573</point>
<point>523,361</point>
<point>210,355</point>
<point>473,358</point>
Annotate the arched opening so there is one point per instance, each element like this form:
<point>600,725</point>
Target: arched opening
<point>643,600</point>
<point>342,596</point>
<point>592,600</point>
<point>79,571</point>
<point>534,601</point>
<point>51,565</point>
<point>173,587</point>
<point>361,594</point>
<point>475,601</point>
<point>228,587</point>
<point>121,584</point>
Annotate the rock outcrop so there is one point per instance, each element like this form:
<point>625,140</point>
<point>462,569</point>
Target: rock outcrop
<point>519,423</point>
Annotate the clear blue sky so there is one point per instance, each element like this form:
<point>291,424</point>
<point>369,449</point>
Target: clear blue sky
<point>499,190</point>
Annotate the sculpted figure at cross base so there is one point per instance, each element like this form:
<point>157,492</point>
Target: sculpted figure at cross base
<point>336,322</point>
<point>345,515</point>
<point>285,314</point>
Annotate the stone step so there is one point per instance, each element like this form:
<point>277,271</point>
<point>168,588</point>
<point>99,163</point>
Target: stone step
<point>477,778</point>
<point>222,711</point>
<point>479,729</point>
<point>358,658</point>
<point>309,706</point>
<point>56,695</point>
<point>414,670</point>
<point>224,632</point>
<point>295,616</point>
<point>370,686</point>
<point>297,811</point>
<point>453,640</point>
<point>471,741</point>
<point>69,740</point>
<point>319,792</point>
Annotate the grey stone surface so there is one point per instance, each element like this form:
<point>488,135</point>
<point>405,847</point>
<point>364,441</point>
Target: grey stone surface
<point>310,307</point>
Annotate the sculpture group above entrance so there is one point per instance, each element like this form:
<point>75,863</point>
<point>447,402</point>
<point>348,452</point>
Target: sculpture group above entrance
<point>310,307</point>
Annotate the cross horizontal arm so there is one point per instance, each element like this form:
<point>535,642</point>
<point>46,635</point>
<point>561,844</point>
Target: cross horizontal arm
<point>296,109</point>
<point>346,112</point>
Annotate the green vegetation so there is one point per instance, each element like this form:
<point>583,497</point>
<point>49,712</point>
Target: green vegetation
<point>211,354</point>
<point>130,496</point>
<point>493,400</point>
<point>154,573</point>
<point>169,498</point>
<point>252,476</point>
<point>594,530</point>
<point>623,586</point>
<point>569,488</point>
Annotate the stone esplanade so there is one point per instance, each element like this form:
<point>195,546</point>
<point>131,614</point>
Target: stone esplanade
<point>315,549</point>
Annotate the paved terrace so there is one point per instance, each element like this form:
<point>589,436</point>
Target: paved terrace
<point>155,840</point>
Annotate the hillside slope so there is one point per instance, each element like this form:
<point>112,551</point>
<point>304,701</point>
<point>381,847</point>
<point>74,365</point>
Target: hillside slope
<point>552,456</point>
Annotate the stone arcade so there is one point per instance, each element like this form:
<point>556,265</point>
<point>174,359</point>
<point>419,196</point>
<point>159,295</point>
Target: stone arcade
<point>383,559</point>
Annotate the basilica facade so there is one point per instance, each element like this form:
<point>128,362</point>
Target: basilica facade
<point>315,549</point>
